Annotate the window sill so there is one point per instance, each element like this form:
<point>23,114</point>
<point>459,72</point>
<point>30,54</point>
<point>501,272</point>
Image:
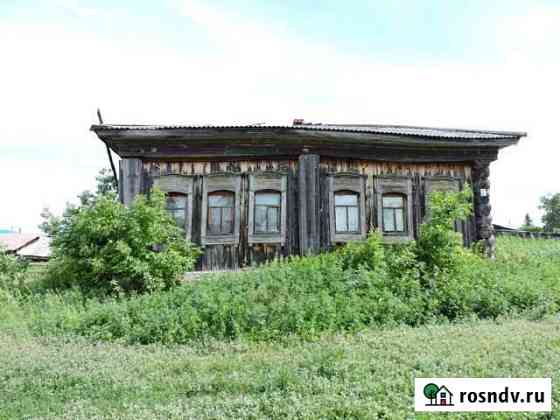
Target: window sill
<point>394,239</point>
<point>347,237</point>
<point>219,239</point>
<point>265,238</point>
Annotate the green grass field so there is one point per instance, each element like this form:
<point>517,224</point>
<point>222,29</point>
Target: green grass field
<point>367,375</point>
<point>68,356</point>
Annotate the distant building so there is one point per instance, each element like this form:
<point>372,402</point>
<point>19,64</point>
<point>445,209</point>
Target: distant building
<point>250,193</point>
<point>29,246</point>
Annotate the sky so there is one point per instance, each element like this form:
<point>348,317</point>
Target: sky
<point>467,64</point>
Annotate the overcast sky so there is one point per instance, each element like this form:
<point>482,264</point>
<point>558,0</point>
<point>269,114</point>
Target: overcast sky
<point>476,64</point>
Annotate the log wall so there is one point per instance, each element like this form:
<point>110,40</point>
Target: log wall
<point>308,194</point>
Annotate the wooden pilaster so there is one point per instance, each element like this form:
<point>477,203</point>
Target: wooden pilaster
<point>130,184</point>
<point>309,204</point>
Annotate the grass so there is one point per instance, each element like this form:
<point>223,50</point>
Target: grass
<point>366,375</point>
<point>301,340</point>
<point>312,296</point>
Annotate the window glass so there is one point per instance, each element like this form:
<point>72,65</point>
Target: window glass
<point>267,212</point>
<point>267,198</point>
<point>260,219</point>
<point>273,219</point>
<point>394,216</point>
<point>393,201</point>
<point>220,212</point>
<point>214,220</point>
<point>176,204</point>
<point>340,218</point>
<point>388,221</point>
<point>227,220</point>
<point>346,212</point>
<point>220,200</point>
<point>342,199</point>
<point>399,220</point>
<point>353,219</point>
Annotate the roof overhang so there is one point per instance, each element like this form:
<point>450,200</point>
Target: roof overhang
<point>365,141</point>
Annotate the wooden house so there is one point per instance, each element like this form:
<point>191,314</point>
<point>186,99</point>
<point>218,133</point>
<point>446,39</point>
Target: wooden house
<point>250,193</point>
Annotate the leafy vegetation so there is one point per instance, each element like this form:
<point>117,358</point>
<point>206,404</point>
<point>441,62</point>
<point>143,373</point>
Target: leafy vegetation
<point>363,376</point>
<point>105,187</point>
<point>361,285</point>
<point>12,271</point>
<point>551,206</point>
<point>309,296</point>
<point>324,336</point>
<point>106,247</point>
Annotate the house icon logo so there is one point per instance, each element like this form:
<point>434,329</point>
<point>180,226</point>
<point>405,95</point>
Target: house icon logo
<point>438,395</point>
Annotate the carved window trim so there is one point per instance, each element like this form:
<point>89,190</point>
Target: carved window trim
<point>220,182</point>
<point>267,181</point>
<point>351,182</point>
<point>179,184</point>
<point>401,185</point>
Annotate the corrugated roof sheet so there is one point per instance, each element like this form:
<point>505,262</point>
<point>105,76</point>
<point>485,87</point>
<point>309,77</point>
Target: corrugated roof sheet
<point>399,130</point>
<point>41,248</point>
<point>15,241</point>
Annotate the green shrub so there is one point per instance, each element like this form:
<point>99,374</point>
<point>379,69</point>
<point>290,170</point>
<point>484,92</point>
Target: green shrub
<point>311,295</point>
<point>439,248</point>
<point>109,248</point>
<point>12,271</point>
<point>363,284</point>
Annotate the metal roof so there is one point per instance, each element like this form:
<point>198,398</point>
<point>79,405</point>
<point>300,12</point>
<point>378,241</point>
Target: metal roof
<point>39,249</point>
<point>399,130</point>
<point>15,241</point>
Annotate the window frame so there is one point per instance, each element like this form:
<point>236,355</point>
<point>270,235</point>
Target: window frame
<point>222,193</point>
<point>395,232</point>
<point>348,182</point>
<point>397,185</point>
<point>178,184</point>
<point>346,207</point>
<point>211,183</point>
<point>184,208</point>
<point>267,207</point>
<point>267,182</point>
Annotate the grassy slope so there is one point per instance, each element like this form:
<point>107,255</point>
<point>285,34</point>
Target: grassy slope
<point>368,375</point>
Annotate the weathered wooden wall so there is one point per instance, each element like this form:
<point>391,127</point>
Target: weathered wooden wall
<point>308,209</point>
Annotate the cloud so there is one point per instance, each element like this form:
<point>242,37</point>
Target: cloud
<point>55,77</point>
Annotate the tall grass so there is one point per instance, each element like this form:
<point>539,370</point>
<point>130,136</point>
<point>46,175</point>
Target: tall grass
<point>307,296</point>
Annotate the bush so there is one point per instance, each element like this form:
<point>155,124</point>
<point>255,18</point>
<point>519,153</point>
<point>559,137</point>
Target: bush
<point>439,248</point>
<point>12,271</point>
<point>363,284</point>
<point>307,296</point>
<point>109,248</point>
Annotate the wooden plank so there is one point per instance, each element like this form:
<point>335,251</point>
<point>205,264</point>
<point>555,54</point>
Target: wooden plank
<point>309,203</point>
<point>131,170</point>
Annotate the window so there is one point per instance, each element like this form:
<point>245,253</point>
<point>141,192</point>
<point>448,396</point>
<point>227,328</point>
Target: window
<point>176,205</point>
<point>220,212</point>
<point>179,194</point>
<point>267,204</point>
<point>394,213</point>
<point>346,212</point>
<point>267,212</point>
